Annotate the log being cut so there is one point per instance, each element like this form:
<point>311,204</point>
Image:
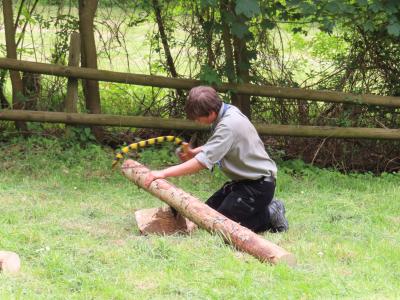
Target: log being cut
<point>207,218</point>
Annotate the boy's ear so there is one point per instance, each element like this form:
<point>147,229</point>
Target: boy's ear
<point>213,115</point>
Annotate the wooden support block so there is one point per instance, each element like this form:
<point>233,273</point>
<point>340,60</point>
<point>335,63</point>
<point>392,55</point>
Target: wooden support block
<point>9,262</point>
<point>162,221</point>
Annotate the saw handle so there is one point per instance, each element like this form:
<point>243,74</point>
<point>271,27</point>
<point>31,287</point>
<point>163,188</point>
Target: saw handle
<point>185,147</point>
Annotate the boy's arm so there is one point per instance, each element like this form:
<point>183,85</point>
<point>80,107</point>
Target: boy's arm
<point>189,167</point>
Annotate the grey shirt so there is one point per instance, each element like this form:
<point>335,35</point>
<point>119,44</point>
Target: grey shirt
<point>236,146</point>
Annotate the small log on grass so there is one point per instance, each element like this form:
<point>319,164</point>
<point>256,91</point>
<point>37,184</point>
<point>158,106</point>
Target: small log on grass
<point>9,262</point>
<point>205,217</point>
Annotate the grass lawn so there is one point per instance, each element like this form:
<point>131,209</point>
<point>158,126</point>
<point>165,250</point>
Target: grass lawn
<point>71,220</point>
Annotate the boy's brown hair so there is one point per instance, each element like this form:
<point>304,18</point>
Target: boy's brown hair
<point>201,101</point>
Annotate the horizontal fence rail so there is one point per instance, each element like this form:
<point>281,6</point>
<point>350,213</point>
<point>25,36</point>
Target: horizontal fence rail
<point>178,124</point>
<point>178,83</point>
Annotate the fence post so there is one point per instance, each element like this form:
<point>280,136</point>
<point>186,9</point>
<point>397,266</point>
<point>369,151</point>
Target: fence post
<point>73,61</point>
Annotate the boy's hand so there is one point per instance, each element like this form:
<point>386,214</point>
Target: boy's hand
<point>153,175</point>
<point>186,152</point>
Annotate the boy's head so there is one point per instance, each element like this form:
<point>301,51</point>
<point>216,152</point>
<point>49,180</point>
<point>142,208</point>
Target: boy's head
<point>201,102</point>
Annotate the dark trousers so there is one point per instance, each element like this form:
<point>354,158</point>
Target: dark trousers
<point>245,202</point>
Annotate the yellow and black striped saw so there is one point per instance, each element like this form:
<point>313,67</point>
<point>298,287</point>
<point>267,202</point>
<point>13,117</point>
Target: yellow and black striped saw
<point>142,144</point>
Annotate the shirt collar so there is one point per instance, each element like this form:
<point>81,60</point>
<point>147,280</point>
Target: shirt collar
<point>220,113</point>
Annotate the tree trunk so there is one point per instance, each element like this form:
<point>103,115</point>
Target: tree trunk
<point>26,22</point>
<point>31,83</point>
<point>176,108</point>
<point>87,11</point>
<point>242,62</point>
<point>71,98</point>
<point>16,82</point>
<point>207,13</point>
<point>302,112</point>
<point>228,49</point>
<point>3,100</point>
<point>164,39</point>
<point>243,72</point>
<point>206,217</point>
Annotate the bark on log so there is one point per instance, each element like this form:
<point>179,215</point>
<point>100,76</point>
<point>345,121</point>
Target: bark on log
<point>206,217</point>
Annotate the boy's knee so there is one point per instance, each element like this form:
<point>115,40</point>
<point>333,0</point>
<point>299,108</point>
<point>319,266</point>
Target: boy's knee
<point>237,207</point>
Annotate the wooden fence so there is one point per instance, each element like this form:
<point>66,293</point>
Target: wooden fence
<point>149,122</point>
<point>175,83</point>
<point>186,84</point>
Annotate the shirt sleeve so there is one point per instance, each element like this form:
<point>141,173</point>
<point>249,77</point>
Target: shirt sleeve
<point>216,147</point>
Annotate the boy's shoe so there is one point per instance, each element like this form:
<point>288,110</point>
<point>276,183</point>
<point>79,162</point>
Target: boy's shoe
<point>276,209</point>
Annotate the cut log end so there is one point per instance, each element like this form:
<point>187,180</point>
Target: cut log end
<point>288,259</point>
<point>9,262</point>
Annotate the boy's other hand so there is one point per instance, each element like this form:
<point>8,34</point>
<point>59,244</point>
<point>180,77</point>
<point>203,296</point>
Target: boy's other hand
<point>153,175</point>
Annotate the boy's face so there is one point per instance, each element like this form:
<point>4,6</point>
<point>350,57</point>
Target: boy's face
<point>208,119</point>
